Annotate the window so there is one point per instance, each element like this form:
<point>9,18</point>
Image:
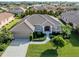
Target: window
<point>38,28</point>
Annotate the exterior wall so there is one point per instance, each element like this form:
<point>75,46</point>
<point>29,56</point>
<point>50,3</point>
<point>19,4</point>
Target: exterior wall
<point>47,31</point>
<point>7,20</point>
<point>57,29</point>
<point>54,27</point>
<point>48,24</point>
<point>38,28</point>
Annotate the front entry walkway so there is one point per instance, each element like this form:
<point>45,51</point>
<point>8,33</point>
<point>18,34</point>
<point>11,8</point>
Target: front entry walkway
<point>17,48</point>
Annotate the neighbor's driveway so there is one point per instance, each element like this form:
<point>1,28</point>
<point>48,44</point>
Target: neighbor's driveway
<point>17,48</point>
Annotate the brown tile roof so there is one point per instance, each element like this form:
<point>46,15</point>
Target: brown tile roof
<point>5,15</point>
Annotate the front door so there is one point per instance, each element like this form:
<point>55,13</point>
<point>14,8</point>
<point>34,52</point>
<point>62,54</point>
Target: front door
<point>47,28</point>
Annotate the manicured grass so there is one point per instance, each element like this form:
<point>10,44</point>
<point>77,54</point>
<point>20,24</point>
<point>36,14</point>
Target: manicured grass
<point>3,48</point>
<point>39,39</point>
<point>11,24</point>
<point>41,50</point>
<point>71,49</point>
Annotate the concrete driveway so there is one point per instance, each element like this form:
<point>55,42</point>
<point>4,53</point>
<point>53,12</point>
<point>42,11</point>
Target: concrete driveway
<point>17,48</point>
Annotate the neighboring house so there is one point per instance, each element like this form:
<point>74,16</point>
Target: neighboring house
<point>5,18</point>
<point>71,17</point>
<point>52,7</point>
<point>38,23</point>
<point>17,10</point>
<point>39,7</point>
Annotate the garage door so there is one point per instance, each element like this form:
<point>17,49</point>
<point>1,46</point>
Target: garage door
<point>21,35</point>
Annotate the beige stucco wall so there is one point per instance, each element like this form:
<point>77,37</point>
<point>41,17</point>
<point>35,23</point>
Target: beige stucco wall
<point>6,21</point>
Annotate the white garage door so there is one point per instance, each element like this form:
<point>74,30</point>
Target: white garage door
<point>21,35</point>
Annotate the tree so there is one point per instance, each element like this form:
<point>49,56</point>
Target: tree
<point>39,12</point>
<point>77,29</point>
<point>44,11</point>
<point>26,12</point>
<point>5,36</point>
<point>59,41</point>
<point>66,29</point>
<point>51,12</point>
<point>20,15</point>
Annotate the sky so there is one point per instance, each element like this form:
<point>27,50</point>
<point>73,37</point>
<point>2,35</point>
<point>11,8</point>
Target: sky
<point>43,0</point>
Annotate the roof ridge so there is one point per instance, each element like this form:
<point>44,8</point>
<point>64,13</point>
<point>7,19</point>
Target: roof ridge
<point>52,17</point>
<point>47,19</point>
<point>29,24</point>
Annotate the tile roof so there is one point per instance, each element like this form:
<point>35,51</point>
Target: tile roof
<point>5,15</point>
<point>39,19</point>
<point>71,16</point>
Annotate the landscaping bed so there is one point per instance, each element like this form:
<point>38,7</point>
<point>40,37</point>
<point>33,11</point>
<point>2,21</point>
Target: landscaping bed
<point>39,39</point>
<point>11,24</point>
<point>3,47</point>
<point>37,36</point>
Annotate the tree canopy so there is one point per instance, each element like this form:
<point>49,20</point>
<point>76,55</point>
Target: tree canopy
<point>66,29</point>
<point>59,41</point>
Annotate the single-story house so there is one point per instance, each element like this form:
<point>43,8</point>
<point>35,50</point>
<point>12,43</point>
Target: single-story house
<point>16,10</point>
<point>39,7</point>
<point>5,18</point>
<point>36,23</point>
<point>71,17</point>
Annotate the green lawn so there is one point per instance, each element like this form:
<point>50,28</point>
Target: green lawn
<point>40,50</point>
<point>71,49</point>
<point>3,48</point>
<point>12,23</point>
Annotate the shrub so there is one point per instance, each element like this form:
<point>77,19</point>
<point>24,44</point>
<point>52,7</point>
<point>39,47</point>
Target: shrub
<point>38,34</point>
<point>31,37</point>
<point>51,36</point>
<point>66,30</point>
<point>39,39</point>
<point>42,39</point>
<point>5,36</point>
<point>2,47</point>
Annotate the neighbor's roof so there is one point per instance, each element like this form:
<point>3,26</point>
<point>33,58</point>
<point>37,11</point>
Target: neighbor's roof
<point>5,15</point>
<point>71,17</point>
<point>17,8</point>
<point>39,7</point>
